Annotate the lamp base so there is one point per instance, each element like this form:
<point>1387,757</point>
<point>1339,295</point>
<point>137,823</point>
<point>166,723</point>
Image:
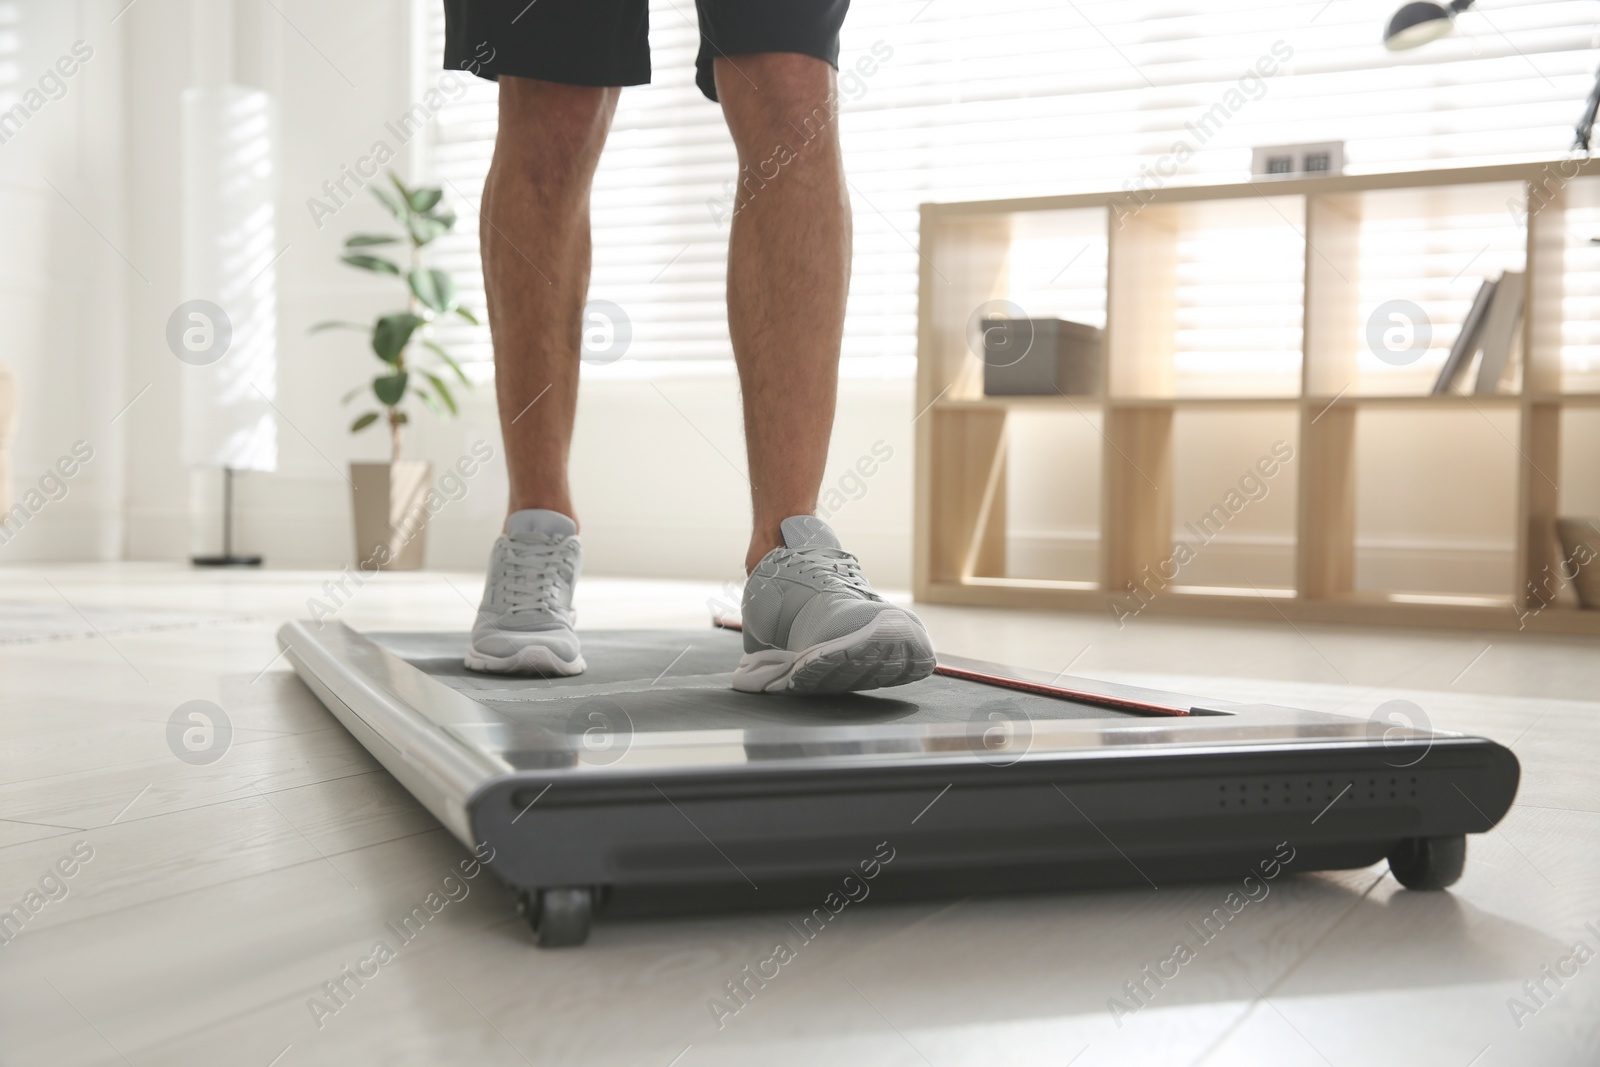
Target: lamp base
<point>229,560</point>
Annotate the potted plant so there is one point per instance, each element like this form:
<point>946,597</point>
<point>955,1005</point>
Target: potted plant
<point>390,519</point>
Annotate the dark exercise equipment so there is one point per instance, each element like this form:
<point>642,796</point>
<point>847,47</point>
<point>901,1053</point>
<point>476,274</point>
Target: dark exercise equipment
<point>648,786</point>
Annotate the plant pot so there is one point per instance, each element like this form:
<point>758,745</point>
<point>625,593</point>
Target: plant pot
<point>1580,552</point>
<point>391,518</point>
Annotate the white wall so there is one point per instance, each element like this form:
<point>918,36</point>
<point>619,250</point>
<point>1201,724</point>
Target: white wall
<point>655,497</point>
<point>63,275</point>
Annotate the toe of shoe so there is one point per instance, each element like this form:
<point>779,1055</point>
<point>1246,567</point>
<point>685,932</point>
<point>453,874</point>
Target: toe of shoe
<point>892,649</point>
<point>874,664</point>
<point>499,643</point>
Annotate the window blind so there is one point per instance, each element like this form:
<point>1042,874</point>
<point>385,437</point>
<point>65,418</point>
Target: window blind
<point>962,99</point>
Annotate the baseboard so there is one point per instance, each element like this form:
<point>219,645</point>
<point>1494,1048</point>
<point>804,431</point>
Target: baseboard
<point>61,534</point>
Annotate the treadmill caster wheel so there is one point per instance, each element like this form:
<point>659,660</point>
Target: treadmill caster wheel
<point>558,917</point>
<point>1428,862</point>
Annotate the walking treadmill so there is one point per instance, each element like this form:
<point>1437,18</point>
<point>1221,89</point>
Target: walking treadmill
<point>646,785</point>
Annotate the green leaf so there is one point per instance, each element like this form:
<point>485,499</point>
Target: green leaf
<point>401,418</point>
<point>391,388</point>
<point>469,316</point>
<point>405,193</point>
<point>444,392</point>
<point>339,324</point>
<point>425,228</point>
<point>444,216</point>
<point>428,399</point>
<point>449,361</point>
<point>392,334</point>
<point>372,263</point>
<point>352,394</point>
<point>434,288</point>
<point>363,422</point>
<point>424,200</point>
<point>367,240</point>
<point>396,208</point>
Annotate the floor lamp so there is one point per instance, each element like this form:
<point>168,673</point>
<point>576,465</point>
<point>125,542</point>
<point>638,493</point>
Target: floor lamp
<point>226,329</point>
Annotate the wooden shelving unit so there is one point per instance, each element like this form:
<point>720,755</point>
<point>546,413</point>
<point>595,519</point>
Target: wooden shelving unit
<point>961,507</point>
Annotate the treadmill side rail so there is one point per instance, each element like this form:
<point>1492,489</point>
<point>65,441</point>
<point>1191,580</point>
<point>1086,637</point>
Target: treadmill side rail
<point>367,689</point>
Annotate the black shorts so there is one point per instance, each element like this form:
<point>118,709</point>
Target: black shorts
<point>606,42</point>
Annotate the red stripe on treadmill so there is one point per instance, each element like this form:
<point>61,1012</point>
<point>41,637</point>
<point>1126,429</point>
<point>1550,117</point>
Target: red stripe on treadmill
<point>1138,707</point>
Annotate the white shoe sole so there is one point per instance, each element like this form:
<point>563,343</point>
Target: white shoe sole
<point>890,650</point>
<point>534,659</point>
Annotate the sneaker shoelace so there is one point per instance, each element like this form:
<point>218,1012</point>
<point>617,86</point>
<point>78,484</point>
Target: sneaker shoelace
<point>531,572</point>
<point>839,570</point>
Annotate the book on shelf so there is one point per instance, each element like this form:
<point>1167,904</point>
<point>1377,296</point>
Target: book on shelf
<point>1489,340</point>
<point>1466,344</point>
<point>1499,339</point>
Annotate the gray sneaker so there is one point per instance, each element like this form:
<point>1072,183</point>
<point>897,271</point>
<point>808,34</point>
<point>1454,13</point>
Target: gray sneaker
<point>524,624</point>
<point>812,624</point>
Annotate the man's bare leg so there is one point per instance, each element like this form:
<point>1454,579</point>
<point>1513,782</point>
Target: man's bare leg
<point>812,624</point>
<point>534,232</point>
<point>788,275</point>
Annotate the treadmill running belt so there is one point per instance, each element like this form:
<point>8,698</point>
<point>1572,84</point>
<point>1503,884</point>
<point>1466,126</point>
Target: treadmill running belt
<point>665,682</point>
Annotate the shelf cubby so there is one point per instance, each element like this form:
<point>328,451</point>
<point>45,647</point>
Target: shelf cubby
<point>1368,250</point>
<point>1568,221</point>
<point>1053,536</point>
<point>1409,459</point>
<point>1198,284</point>
<point>1234,487</point>
<point>1578,474</point>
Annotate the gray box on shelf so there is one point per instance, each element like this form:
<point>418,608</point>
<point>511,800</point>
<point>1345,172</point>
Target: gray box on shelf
<point>1041,357</point>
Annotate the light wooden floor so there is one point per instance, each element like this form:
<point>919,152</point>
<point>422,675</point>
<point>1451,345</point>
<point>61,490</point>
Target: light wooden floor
<point>219,898</point>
